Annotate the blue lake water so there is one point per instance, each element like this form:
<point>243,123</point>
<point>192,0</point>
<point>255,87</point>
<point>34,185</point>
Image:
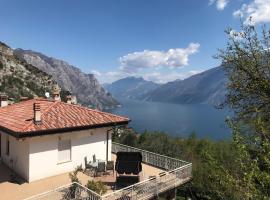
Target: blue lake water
<point>175,119</point>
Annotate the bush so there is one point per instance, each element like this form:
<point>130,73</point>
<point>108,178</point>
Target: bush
<point>97,187</point>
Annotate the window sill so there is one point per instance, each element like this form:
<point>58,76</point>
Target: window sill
<point>63,162</point>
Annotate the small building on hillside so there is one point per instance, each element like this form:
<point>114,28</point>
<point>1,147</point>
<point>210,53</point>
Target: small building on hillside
<point>40,138</point>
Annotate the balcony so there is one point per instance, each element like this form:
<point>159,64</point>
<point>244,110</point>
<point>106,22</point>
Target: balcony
<point>159,175</point>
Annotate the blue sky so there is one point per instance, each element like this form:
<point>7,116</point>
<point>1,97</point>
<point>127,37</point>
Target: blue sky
<point>161,40</point>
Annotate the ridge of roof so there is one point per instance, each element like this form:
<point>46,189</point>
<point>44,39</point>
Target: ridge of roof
<point>93,110</point>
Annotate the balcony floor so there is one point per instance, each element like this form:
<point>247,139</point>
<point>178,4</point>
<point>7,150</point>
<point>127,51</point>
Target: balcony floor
<point>24,190</point>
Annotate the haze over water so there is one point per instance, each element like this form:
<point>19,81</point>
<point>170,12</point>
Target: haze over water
<point>175,119</point>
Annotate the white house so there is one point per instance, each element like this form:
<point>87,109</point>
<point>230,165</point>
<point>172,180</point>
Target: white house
<point>41,138</point>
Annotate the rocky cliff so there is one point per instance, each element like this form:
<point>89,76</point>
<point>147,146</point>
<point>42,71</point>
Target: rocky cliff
<point>21,79</point>
<point>85,86</point>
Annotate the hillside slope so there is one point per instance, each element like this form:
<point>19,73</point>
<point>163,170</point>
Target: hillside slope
<point>18,78</point>
<point>85,86</point>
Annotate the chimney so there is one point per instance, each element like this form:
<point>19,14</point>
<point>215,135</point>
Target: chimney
<point>37,113</point>
<point>73,99</point>
<point>56,93</point>
<point>69,99</point>
<point>3,100</point>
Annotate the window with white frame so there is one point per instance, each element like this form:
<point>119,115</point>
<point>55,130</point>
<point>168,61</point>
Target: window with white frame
<point>64,151</point>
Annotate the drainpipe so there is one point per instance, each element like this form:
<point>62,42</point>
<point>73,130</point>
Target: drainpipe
<point>107,146</point>
<point>107,143</point>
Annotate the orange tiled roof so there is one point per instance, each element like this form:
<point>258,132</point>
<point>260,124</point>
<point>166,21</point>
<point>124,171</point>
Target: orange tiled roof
<point>55,115</point>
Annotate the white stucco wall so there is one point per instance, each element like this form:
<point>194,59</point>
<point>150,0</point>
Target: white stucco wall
<point>18,153</point>
<point>43,152</point>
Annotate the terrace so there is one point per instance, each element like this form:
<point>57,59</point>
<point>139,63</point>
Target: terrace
<point>159,174</point>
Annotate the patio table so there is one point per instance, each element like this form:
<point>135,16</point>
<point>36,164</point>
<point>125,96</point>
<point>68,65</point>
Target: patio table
<point>94,164</point>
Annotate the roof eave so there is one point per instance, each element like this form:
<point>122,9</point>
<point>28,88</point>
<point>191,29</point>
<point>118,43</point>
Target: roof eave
<point>60,130</point>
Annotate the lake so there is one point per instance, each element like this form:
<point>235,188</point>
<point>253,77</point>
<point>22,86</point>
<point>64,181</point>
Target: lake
<point>174,119</point>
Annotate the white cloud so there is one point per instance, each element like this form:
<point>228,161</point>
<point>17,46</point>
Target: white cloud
<point>257,10</point>
<point>110,76</point>
<point>95,72</point>
<point>220,4</point>
<point>157,66</point>
<point>172,58</point>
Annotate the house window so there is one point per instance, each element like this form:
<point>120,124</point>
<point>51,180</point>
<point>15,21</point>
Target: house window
<point>64,151</point>
<point>7,146</point>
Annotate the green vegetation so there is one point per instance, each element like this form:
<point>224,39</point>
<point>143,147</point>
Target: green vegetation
<point>239,168</point>
<point>96,186</point>
<point>247,63</point>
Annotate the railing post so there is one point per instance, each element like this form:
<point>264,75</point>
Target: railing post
<point>166,163</point>
<point>156,188</point>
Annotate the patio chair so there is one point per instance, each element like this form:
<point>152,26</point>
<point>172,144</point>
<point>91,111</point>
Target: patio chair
<point>100,168</point>
<point>87,166</point>
<point>94,158</point>
<point>89,170</point>
<point>110,167</point>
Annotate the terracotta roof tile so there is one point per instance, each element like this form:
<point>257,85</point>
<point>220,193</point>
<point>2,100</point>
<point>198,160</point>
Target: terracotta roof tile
<point>55,115</point>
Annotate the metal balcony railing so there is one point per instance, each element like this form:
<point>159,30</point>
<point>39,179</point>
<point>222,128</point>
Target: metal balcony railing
<point>177,172</point>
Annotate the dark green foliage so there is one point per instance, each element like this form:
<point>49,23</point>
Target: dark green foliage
<point>16,87</point>
<point>96,186</point>
<point>19,79</point>
<point>73,189</point>
<point>247,63</point>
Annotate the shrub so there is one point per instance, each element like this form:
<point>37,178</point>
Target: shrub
<point>97,187</point>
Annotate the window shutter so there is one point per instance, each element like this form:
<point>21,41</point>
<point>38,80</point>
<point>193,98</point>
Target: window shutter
<point>64,151</point>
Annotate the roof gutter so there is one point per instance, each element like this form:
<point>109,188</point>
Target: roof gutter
<point>59,130</point>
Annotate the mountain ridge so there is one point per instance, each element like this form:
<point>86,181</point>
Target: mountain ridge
<point>20,79</point>
<point>131,87</point>
<point>208,87</point>
<point>85,86</point>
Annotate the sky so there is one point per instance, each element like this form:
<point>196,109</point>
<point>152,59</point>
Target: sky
<point>160,40</point>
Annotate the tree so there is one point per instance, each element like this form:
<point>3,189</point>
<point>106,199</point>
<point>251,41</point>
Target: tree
<point>246,61</point>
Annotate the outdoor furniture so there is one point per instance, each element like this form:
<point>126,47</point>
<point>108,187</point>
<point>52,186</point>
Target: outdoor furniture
<point>128,166</point>
<point>94,158</point>
<point>100,168</point>
<point>87,165</point>
<point>128,163</point>
<point>110,166</point>
<point>124,181</point>
<point>89,168</point>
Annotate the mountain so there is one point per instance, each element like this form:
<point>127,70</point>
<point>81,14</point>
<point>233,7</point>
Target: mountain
<point>20,79</point>
<point>85,86</point>
<point>131,87</point>
<point>208,87</point>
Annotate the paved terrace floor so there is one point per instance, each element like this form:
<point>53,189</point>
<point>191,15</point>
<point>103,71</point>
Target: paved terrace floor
<point>14,191</point>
